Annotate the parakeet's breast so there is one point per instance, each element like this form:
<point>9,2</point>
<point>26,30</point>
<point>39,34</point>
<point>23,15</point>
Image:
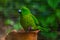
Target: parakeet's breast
<point>27,21</point>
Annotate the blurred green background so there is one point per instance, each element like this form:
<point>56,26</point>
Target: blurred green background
<point>46,11</point>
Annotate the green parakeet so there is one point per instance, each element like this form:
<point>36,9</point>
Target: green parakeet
<point>27,20</point>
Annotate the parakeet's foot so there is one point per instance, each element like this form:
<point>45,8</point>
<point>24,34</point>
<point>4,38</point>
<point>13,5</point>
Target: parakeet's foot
<point>30,29</point>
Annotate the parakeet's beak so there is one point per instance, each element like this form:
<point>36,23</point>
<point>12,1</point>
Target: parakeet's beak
<point>19,11</point>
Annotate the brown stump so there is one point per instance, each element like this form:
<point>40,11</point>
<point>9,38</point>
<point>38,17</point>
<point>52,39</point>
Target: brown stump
<point>32,35</point>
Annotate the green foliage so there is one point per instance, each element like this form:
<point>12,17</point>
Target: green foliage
<point>53,3</point>
<point>58,13</point>
<point>42,8</point>
<point>17,26</point>
<point>50,19</point>
<point>9,22</point>
<point>50,35</point>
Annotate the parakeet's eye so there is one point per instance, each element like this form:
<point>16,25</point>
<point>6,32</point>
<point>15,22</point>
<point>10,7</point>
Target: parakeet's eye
<point>19,11</point>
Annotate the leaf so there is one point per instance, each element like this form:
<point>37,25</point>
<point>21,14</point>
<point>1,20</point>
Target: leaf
<point>4,2</point>
<point>17,26</point>
<point>27,1</point>
<point>34,5</point>
<point>43,22</point>
<point>6,13</point>
<point>53,3</point>
<point>42,8</point>
<point>51,35</point>
<point>50,19</point>
<point>8,22</point>
<point>58,13</point>
<point>1,8</point>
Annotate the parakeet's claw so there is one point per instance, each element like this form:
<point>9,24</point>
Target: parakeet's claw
<point>29,28</point>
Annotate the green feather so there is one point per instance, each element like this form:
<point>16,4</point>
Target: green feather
<point>35,20</point>
<point>27,19</point>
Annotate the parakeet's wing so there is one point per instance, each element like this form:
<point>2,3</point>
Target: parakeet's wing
<point>37,23</point>
<point>35,20</point>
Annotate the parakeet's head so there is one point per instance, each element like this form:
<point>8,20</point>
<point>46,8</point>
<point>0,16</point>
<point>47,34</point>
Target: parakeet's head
<point>24,11</point>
